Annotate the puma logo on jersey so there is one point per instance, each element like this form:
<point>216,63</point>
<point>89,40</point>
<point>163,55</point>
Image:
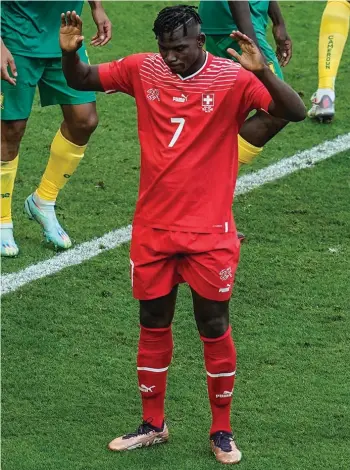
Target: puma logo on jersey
<point>225,289</point>
<point>180,99</point>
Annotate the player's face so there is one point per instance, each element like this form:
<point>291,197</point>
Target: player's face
<point>182,54</point>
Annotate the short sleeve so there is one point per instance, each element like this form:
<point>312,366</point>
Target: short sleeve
<point>119,75</point>
<point>255,95</point>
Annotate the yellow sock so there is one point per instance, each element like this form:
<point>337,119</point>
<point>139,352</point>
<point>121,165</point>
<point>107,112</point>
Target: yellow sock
<point>8,175</point>
<point>64,159</point>
<point>333,34</point>
<point>246,151</point>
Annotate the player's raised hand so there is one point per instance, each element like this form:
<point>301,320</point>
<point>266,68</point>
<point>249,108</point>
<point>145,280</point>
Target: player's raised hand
<point>251,58</point>
<point>104,27</point>
<point>7,60</point>
<point>71,37</point>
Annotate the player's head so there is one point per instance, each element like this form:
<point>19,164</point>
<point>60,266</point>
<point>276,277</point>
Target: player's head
<point>180,39</point>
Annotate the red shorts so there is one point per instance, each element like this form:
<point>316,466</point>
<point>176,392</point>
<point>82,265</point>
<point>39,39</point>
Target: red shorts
<point>161,259</point>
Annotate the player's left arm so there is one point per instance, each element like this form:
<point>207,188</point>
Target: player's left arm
<point>285,103</point>
<point>103,23</point>
<point>279,30</point>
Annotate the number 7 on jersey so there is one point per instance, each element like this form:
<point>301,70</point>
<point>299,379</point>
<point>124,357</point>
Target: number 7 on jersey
<point>181,123</point>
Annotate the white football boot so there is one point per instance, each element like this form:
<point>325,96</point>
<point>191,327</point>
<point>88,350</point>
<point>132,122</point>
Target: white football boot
<point>322,105</point>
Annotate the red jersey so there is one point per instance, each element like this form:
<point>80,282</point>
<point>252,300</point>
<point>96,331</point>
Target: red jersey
<point>188,131</point>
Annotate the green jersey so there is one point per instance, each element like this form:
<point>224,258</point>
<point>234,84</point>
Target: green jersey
<point>217,18</point>
<point>31,28</point>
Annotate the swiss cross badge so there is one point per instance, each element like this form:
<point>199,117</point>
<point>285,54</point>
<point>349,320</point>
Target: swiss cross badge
<point>207,102</point>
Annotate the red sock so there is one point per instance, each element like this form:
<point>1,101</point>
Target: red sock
<point>153,360</point>
<point>220,363</point>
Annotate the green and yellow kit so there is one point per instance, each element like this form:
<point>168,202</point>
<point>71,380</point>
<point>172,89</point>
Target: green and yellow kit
<point>30,31</point>
<point>218,24</point>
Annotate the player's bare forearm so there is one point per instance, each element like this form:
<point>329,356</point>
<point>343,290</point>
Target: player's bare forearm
<point>79,75</point>
<point>103,23</point>
<point>283,41</point>
<point>240,12</point>
<point>286,103</point>
<point>275,14</point>
<point>95,5</point>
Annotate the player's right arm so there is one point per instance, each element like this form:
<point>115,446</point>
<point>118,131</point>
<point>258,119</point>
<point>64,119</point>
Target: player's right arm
<point>79,75</point>
<point>7,60</point>
<point>110,77</point>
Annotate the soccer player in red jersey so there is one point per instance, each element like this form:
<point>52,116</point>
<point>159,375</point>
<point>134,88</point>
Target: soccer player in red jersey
<point>191,106</point>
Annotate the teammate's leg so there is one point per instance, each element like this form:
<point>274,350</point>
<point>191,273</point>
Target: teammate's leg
<point>11,136</point>
<point>212,318</point>
<point>260,128</point>
<point>153,360</point>
<point>16,106</point>
<point>255,132</point>
<point>67,149</point>
<point>334,31</point>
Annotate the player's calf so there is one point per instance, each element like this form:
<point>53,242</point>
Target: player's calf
<point>11,136</point>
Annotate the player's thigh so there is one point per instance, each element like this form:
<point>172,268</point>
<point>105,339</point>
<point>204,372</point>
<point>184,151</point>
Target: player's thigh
<point>212,316</point>
<point>17,101</point>
<point>210,269</point>
<point>153,267</point>
<point>218,45</point>
<point>270,55</point>
<point>159,312</point>
<point>53,87</point>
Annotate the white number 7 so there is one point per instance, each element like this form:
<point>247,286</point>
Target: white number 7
<point>181,123</point>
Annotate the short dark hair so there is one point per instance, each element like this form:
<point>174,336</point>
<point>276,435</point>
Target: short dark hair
<point>170,18</point>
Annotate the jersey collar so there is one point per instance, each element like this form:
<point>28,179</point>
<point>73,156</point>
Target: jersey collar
<point>198,71</point>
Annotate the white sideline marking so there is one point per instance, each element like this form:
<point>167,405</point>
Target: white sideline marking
<point>246,183</point>
<point>79,254</point>
<point>303,159</point>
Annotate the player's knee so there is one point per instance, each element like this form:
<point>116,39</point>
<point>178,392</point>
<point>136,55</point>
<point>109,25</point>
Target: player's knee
<point>11,136</point>
<point>149,320</point>
<point>154,318</point>
<point>213,326</point>
<point>85,124</point>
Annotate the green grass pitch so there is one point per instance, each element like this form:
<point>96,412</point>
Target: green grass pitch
<point>69,341</point>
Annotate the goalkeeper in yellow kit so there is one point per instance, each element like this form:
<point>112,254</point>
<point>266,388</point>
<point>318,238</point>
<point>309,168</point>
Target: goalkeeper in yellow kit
<point>334,32</point>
